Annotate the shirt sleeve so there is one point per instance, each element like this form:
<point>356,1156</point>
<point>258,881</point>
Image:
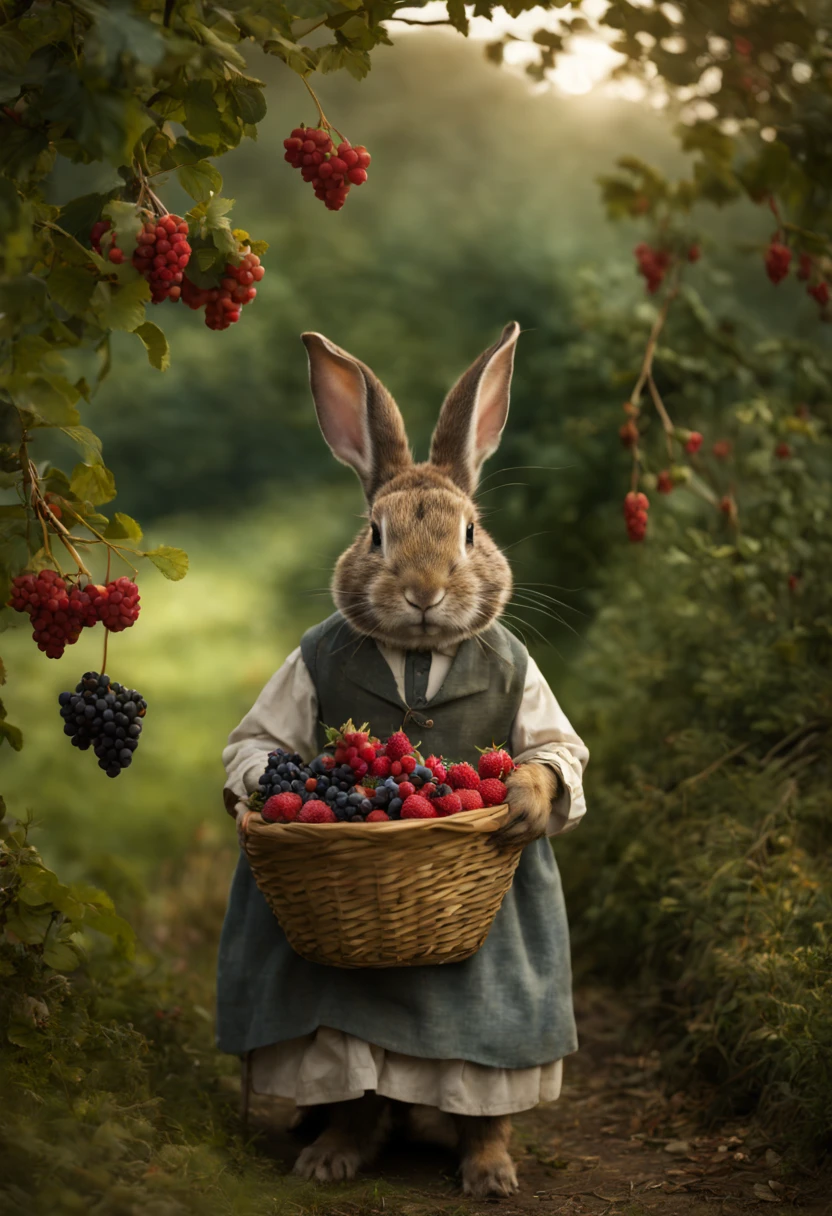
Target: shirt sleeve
<point>542,733</point>
<point>284,715</point>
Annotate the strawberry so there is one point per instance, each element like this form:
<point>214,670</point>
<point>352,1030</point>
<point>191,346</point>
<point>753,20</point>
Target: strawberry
<point>493,792</point>
<point>408,763</point>
<point>398,745</point>
<point>406,788</point>
<point>380,767</point>
<point>315,811</point>
<point>377,816</point>
<point>282,808</point>
<point>463,777</point>
<point>495,763</point>
<point>416,807</point>
<point>437,767</point>
<point>448,804</point>
<point>471,799</point>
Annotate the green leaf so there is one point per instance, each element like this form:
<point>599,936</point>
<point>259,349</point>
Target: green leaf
<point>122,306</point>
<point>251,104</point>
<point>200,180</point>
<point>126,221</point>
<point>12,734</point>
<point>123,527</point>
<point>93,483</point>
<point>87,441</point>
<point>51,398</point>
<point>71,288</point>
<point>156,345</point>
<point>78,216</point>
<point>173,563</point>
<point>60,956</point>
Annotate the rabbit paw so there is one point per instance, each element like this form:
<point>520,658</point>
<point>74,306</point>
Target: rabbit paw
<point>532,788</point>
<point>332,1158</point>
<point>489,1173</point>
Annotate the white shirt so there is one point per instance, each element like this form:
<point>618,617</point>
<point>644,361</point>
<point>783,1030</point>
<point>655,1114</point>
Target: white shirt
<point>329,1065</point>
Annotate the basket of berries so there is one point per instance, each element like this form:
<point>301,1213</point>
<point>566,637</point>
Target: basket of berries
<point>371,856</point>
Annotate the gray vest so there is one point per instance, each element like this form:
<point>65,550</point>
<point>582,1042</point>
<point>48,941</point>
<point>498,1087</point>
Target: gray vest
<point>510,1005</point>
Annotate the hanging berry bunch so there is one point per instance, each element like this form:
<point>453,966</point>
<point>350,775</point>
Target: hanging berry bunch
<point>812,268</point>
<point>161,254</point>
<point>61,608</point>
<point>331,169</point>
<point>105,716</point>
<point>224,302</point>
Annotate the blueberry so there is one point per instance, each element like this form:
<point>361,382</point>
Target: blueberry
<point>65,698</point>
<point>341,799</point>
<point>423,772</point>
<point>331,794</point>
<point>394,806</point>
<point>366,805</point>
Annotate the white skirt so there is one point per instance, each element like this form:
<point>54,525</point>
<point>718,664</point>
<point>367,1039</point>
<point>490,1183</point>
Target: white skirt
<point>331,1066</point>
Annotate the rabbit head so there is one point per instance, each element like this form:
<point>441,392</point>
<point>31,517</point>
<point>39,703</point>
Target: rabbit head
<point>422,573</point>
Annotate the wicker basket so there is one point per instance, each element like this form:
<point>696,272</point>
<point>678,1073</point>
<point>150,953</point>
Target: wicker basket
<point>402,894</point>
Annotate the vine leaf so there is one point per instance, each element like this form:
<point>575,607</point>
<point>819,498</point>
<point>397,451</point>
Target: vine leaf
<point>156,345</point>
<point>173,563</point>
<point>122,307</point>
<point>123,527</point>
<point>93,483</point>
<point>87,441</point>
<point>71,288</point>
<point>201,180</point>
<point>12,734</point>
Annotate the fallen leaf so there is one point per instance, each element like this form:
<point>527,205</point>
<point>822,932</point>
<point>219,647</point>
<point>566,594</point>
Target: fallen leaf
<point>677,1147</point>
<point>772,1158</point>
<point>762,1192</point>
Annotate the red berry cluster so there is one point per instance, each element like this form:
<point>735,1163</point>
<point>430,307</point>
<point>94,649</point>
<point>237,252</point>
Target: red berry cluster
<point>664,482</point>
<point>693,443</point>
<point>330,171</point>
<point>778,259</point>
<point>653,265</point>
<point>115,255</point>
<point>161,255</point>
<point>635,515</point>
<point>223,304</point>
<point>59,611</point>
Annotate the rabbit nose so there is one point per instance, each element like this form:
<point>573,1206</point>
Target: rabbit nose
<point>424,597</point>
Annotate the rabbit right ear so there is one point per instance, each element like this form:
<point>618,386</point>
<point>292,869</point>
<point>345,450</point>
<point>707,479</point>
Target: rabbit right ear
<point>359,419</point>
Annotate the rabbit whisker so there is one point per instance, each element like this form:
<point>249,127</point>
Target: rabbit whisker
<point>553,616</point>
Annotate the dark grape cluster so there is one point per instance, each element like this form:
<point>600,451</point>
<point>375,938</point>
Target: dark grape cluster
<point>105,716</point>
<point>330,171</point>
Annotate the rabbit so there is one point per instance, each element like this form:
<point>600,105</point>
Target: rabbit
<point>423,575</point>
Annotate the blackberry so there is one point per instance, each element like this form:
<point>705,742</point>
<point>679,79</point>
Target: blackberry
<point>104,716</point>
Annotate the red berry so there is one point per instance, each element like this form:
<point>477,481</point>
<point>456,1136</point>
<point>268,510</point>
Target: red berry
<point>778,259</point>
<point>463,777</point>
<point>406,788</point>
<point>117,604</point>
<point>636,507</point>
<point>495,763</point>
<point>628,434</point>
<point>368,753</point>
<point>312,784</point>
<point>664,482</point>
<point>377,816</point>
<point>380,767</point>
<point>282,808</point>
<point>693,443</point>
<point>398,745</point>
<point>820,292</point>
<point>493,792</point>
<point>783,451</point>
<point>316,811</point>
<point>417,807</point>
<point>408,764</point>
<point>448,804</point>
<point>471,799</point>
<point>436,766</point>
<point>794,582</point>
<point>396,769</point>
<point>722,449</point>
<point>694,253</point>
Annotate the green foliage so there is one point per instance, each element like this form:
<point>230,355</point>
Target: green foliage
<point>706,682</point>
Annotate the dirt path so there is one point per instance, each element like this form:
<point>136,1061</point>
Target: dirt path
<point>615,1144</point>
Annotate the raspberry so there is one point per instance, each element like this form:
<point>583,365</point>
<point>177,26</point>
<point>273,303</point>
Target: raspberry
<point>463,777</point>
<point>398,745</point>
<point>722,449</point>
<point>693,443</point>
<point>406,788</point>
<point>783,451</point>
<point>820,292</point>
<point>636,507</point>
<point>377,816</point>
<point>330,171</point>
<point>495,763</point>
<point>282,808</point>
<point>408,764</point>
<point>396,769</point>
<point>493,792</point>
<point>316,811</point>
<point>162,252</point>
<point>664,482</point>
<point>628,434</point>
<point>652,265</point>
<point>447,804</point>
<point>778,259</point>
<point>58,614</point>
<point>222,304</point>
<point>471,799</point>
<point>380,767</point>
<point>117,604</point>
<point>417,807</point>
<point>368,753</point>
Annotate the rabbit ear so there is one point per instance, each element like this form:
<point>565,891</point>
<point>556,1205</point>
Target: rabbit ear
<point>474,414</point>
<point>359,419</point>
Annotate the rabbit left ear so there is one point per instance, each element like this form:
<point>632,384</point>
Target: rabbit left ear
<point>474,413</point>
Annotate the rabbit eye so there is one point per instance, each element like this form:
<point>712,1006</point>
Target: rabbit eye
<point>469,534</point>
<point>376,533</point>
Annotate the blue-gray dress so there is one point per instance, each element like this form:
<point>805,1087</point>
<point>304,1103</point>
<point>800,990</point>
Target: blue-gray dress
<point>510,1005</point>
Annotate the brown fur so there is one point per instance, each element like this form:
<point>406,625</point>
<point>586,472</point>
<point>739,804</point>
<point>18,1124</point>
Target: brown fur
<point>354,1134</point>
<point>532,788</point>
<point>486,1167</point>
